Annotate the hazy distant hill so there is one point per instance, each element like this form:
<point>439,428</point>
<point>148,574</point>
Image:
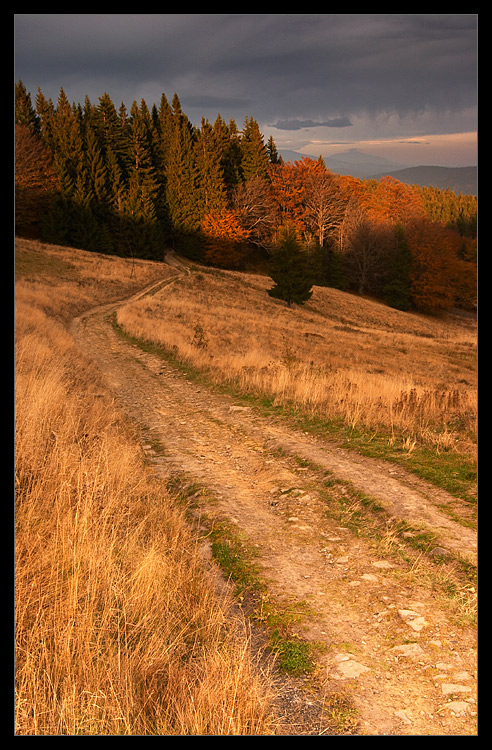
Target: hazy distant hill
<point>358,164</point>
<point>352,162</point>
<point>459,179</point>
<point>365,166</point>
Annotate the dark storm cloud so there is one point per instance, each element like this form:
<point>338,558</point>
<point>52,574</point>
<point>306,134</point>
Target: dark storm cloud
<point>337,122</point>
<point>309,68</point>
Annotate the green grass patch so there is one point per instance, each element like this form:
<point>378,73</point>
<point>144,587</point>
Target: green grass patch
<point>453,472</point>
<point>293,655</point>
<point>236,557</point>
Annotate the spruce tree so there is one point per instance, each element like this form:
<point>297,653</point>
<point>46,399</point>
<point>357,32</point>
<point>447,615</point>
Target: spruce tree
<point>254,154</point>
<point>397,290</point>
<point>212,197</point>
<point>64,136</point>
<point>165,130</point>
<point>111,133</point>
<point>25,114</point>
<point>96,168</point>
<point>289,269</point>
<point>67,145</point>
<point>181,184</point>
<point>273,155</point>
<point>141,195</point>
<point>46,113</point>
<point>228,142</point>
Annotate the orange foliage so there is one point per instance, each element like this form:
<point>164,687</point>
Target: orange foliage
<point>389,200</point>
<point>351,187</point>
<point>289,182</point>
<point>437,268</point>
<point>225,239</point>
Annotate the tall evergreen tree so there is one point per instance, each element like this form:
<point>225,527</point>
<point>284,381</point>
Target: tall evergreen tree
<point>289,269</point>
<point>181,183</point>
<point>64,136</point>
<point>162,124</point>
<point>212,196</point>
<point>96,169</point>
<point>273,155</point>
<point>67,145</point>
<point>228,141</point>
<point>141,195</point>
<point>254,161</point>
<point>46,113</point>
<point>111,132</point>
<point>397,290</point>
<point>25,114</point>
<point>165,131</point>
<point>117,190</point>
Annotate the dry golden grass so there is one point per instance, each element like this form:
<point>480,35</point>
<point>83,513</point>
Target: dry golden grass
<point>337,357</point>
<point>118,628</point>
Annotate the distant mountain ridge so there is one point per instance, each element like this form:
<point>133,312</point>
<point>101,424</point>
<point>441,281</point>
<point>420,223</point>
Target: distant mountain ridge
<point>366,166</point>
<point>459,179</point>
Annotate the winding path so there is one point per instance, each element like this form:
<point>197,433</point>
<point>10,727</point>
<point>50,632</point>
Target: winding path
<point>252,467</point>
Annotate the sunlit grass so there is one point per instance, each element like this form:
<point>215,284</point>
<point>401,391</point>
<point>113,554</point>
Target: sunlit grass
<point>119,629</point>
<point>399,383</point>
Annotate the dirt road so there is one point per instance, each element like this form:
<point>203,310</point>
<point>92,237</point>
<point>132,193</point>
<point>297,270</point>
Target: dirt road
<point>389,641</point>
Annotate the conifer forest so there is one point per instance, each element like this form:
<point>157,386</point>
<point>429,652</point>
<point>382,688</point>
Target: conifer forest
<point>138,182</point>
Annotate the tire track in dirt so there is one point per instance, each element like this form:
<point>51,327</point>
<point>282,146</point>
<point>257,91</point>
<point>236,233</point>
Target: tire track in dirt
<point>356,596</point>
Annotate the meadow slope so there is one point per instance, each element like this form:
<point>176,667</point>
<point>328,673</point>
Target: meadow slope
<point>370,557</point>
<point>261,464</point>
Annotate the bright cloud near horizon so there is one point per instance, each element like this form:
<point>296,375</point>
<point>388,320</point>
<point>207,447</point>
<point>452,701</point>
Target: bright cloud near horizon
<point>400,86</point>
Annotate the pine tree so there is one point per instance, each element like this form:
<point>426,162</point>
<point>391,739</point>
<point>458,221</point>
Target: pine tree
<point>289,269</point>
<point>165,131</point>
<point>46,113</point>
<point>96,169</point>
<point>67,145</point>
<point>162,127</point>
<point>116,201</point>
<point>228,142</point>
<point>397,289</point>
<point>254,161</point>
<point>25,114</point>
<point>273,155</point>
<point>61,130</point>
<point>111,133</point>
<point>139,203</point>
<point>212,198</point>
<point>181,184</point>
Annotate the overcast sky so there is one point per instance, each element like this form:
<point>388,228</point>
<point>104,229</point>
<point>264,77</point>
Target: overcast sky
<point>399,86</point>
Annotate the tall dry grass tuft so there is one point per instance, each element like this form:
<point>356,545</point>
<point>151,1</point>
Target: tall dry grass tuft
<point>338,357</point>
<point>119,629</point>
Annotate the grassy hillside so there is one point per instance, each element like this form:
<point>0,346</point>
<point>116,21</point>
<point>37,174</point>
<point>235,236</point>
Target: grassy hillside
<point>118,628</point>
<point>397,383</point>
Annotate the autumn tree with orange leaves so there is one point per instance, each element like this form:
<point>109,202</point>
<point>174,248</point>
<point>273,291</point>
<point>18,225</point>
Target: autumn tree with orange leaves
<point>439,275</point>
<point>290,184</point>
<point>225,239</point>
<point>372,237</point>
<point>389,200</point>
